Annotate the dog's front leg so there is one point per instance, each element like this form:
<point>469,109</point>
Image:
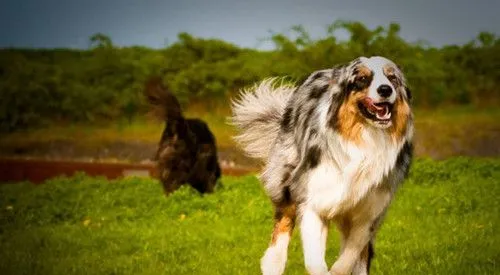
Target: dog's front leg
<point>314,231</point>
<point>356,241</point>
<point>357,232</point>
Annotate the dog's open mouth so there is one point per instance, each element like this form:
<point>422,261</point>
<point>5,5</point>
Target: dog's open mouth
<point>379,112</point>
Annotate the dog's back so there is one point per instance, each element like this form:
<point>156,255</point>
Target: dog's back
<point>187,150</point>
<point>207,169</point>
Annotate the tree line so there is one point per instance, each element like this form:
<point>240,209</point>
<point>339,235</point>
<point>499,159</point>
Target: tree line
<point>104,82</point>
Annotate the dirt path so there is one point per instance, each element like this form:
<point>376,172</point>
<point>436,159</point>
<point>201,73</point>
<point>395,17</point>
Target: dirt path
<point>39,170</point>
<point>430,141</point>
<point>133,152</point>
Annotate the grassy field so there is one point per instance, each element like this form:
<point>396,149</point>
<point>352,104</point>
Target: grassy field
<point>444,220</point>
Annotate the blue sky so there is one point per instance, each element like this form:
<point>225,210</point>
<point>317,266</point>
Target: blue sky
<point>154,23</point>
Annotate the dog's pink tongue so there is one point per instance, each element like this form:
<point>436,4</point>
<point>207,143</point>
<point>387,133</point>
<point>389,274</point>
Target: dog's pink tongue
<point>380,110</point>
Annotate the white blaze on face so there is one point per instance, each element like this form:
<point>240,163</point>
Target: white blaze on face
<point>376,64</point>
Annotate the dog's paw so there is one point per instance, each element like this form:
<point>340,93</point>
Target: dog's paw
<point>333,272</point>
<point>274,261</point>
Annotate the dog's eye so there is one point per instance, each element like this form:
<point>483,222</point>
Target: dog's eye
<point>361,82</point>
<point>362,79</point>
<point>391,77</point>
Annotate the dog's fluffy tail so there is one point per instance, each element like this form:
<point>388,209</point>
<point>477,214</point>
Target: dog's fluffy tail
<point>164,105</point>
<point>258,113</point>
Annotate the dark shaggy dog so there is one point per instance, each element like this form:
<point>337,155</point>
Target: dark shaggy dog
<point>187,150</point>
<point>336,148</point>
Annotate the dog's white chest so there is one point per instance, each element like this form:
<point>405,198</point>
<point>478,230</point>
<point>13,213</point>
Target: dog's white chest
<point>326,189</point>
<point>338,184</point>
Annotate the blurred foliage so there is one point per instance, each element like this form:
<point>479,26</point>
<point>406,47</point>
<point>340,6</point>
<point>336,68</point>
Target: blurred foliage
<point>105,81</point>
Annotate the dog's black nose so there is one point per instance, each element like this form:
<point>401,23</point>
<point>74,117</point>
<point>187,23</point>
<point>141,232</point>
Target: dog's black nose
<point>384,90</point>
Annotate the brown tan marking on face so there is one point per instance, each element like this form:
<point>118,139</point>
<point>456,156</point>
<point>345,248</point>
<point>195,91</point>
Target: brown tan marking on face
<point>363,71</point>
<point>389,70</point>
<point>391,74</point>
<point>401,114</point>
<point>350,121</point>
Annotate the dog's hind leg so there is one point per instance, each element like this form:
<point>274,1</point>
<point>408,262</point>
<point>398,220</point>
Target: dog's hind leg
<point>171,178</point>
<point>214,172</point>
<point>206,171</point>
<point>171,184</point>
<point>274,260</point>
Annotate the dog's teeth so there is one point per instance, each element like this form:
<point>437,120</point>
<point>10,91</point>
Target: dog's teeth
<point>384,117</point>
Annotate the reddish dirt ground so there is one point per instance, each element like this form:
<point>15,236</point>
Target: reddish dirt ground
<point>39,170</point>
<point>41,160</point>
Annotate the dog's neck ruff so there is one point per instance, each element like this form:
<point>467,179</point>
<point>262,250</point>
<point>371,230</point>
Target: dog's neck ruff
<point>349,171</point>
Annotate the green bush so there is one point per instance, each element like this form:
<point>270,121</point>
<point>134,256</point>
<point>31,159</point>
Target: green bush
<point>105,81</point>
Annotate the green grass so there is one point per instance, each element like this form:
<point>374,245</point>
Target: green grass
<point>444,220</point>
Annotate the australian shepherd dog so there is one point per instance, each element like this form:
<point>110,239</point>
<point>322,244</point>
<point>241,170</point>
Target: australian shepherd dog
<point>187,151</point>
<point>335,150</point>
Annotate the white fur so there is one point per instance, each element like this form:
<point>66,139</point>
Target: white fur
<point>314,232</point>
<point>274,260</point>
<point>350,172</point>
<point>376,64</point>
<point>345,179</point>
<point>265,100</point>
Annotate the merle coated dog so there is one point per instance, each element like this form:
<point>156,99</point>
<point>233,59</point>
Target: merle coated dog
<point>336,148</point>
<point>187,152</point>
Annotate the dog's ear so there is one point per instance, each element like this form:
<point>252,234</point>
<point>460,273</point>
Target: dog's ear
<point>408,93</point>
<point>403,81</point>
<point>337,75</point>
<point>342,77</point>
